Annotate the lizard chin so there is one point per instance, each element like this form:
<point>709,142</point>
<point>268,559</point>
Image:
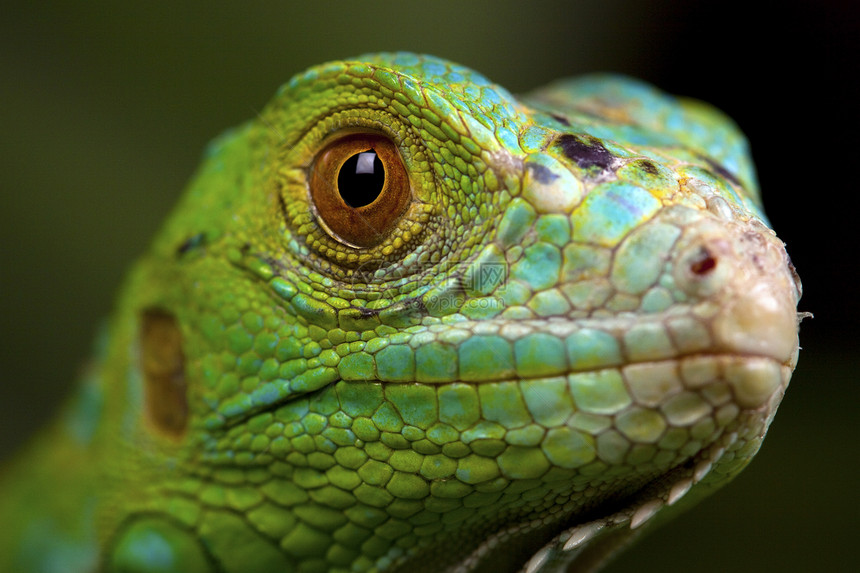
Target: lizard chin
<point>596,534</point>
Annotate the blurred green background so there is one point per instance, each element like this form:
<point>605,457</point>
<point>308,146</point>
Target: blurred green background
<point>105,108</point>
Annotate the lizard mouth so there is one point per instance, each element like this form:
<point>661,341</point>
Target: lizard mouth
<point>747,341</point>
<point>747,380</point>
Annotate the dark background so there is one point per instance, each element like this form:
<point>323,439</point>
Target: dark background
<point>105,108</point>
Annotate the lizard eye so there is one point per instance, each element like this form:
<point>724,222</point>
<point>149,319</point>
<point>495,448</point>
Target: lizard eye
<point>360,188</point>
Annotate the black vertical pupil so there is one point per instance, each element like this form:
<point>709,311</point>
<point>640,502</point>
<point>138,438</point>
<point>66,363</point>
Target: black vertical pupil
<point>361,179</point>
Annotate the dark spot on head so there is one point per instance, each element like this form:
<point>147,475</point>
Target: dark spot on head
<point>410,311</point>
<point>282,205</point>
<point>722,171</point>
<point>541,173</point>
<point>191,243</point>
<point>648,167</point>
<point>704,262</point>
<point>365,312</point>
<point>560,118</point>
<point>586,151</point>
<point>162,362</point>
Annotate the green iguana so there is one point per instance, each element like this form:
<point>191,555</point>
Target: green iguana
<point>406,321</point>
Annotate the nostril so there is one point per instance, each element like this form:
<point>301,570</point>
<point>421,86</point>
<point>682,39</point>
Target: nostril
<point>706,266</point>
<point>703,262</point>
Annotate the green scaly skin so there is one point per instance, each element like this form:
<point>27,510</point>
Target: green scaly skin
<point>579,324</point>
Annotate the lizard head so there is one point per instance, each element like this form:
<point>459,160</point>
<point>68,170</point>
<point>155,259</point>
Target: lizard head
<point>420,323</point>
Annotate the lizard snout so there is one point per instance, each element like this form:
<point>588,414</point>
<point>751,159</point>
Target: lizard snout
<point>742,274</point>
